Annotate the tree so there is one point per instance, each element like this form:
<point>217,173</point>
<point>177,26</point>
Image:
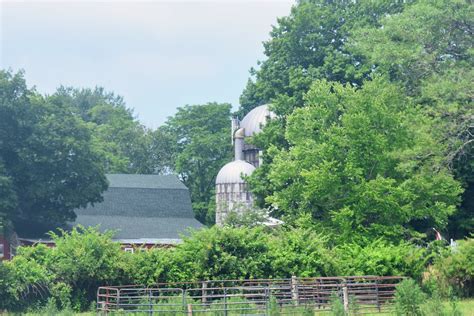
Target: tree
<point>362,163</point>
<point>428,49</point>
<point>310,44</point>
<point>127,146</point>
<point>201,146</point>
<point>49,165</point>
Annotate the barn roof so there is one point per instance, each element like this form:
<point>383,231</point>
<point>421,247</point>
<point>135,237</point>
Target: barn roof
<point>139,207</point>
<point>145,181</point>
<point>142,206</point>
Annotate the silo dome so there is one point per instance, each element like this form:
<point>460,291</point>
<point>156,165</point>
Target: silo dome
<point>255,119</point>
<point>232,172</point>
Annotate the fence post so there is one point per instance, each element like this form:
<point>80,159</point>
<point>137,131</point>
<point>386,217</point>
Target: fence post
<point>345,296</point>
<point>183,301</point>
<point>267,302</point>
<point>107,299</point>
<point>190,310</point>
<point>294,290</point>
<point>377,294</point>
<point>204,292</point>
<point>150,302</point>
<point>117,305</point>
<point>225,302</point>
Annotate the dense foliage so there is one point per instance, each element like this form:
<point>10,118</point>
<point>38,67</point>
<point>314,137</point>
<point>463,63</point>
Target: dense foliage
<point>371,148</point>
<point>199,145</point>
<point>454,269</point>
<point>84,259</point>
<point>48,163</point>
<point>127,146</point>
<point>363,163</point>
<point>423,51</point>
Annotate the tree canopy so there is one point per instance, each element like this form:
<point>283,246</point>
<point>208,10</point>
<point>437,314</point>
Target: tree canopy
<point>423,48</point>
<point>126,145</point>
<point>48,164</point>
<point>200,144</point>
<point>363,163</point>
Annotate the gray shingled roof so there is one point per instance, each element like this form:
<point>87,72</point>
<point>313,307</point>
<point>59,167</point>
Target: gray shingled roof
<point>142,206</point>
<point>145,181</point>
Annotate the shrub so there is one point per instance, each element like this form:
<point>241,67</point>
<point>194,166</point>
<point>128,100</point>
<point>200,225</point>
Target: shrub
<point>381,258</point>
<point>26,283</point>
<point>456,269</point>
<point>409,298</point>
<point>337,307</point>
<point>84,259</point>
<point>222,253</point>
<point>148,267</point>
<point>300,252</point>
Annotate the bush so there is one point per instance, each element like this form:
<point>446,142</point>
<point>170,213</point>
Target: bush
<point>409,299</point>
<point>148,267</point>
<point>69,273</point>
<point>84,259</point>
<point>25,283</point>
<point>381,258</point>
<point>300,252</point>
<point>337,307</point>
<point>222,253</point>
<point>455,269</point>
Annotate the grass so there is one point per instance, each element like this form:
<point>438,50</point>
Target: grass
<point>466,307</point>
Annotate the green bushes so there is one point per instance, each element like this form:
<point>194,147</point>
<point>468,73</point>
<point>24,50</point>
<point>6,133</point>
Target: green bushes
<point>222,253</point>
<point>301,252</point>
<point>67,276</point>
<point>381,258</point>
<point>408,299</point>
<point>454,269</point>
<point>23,282</point>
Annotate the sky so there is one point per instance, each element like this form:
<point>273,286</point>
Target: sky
<point>158,55</point>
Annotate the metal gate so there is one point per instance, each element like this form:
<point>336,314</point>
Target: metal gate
<point>250,297</point>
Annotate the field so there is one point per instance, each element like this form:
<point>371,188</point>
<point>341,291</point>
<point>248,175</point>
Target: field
<point>466,307</point>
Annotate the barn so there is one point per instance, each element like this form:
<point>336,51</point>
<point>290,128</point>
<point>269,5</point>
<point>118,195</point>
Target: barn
<point>143,210</point>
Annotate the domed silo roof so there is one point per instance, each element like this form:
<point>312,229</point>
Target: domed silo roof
<point>256,119</point>
<point>233,171</point>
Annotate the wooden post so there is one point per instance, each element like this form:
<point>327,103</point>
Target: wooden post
<point>225,302</point>
<point>190,310</point>
<point>345,297</point>
<point>294,290</point>
<point>204,292</point>
<point>377,294</point>
<point>150,302</point>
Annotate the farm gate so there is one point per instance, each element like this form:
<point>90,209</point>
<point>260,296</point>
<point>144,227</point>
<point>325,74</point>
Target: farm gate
<point>250,297</point>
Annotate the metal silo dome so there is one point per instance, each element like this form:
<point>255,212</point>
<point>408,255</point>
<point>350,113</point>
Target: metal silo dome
<point>255,119</point>
<point>233,171</point>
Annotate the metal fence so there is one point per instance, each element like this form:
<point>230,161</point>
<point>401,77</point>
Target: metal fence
<point>251,297</point>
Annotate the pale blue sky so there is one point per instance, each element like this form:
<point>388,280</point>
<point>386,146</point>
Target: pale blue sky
<point>158,55</point>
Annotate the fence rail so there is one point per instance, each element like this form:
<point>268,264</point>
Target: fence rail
<point>249,297</point>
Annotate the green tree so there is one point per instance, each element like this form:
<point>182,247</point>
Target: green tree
<point>49,165</point>
<point>127,146</point>
<point>310,44</point>
<point>428,49</point>
<point>8,197</point>
<point>201,146</point>
<point>363,163</point>
<point>307,45</point>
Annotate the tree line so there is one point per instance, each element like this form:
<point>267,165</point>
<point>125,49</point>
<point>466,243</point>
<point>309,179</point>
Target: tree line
<point>56,149</point>
<point>373,135</point>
